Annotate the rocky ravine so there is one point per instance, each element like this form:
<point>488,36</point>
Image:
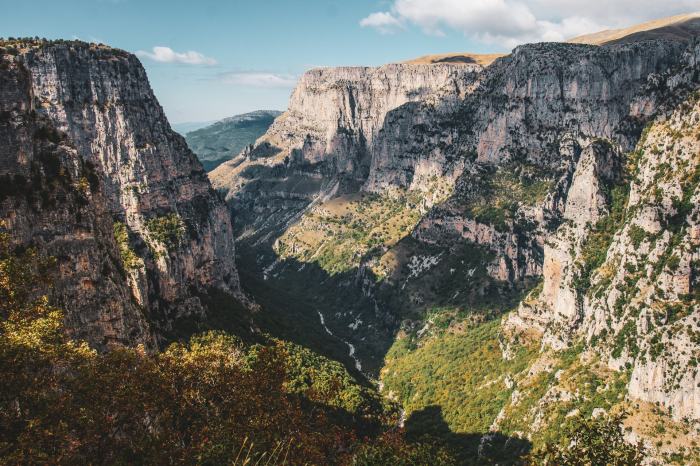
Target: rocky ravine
<point>97,178</point>
<point>532,156</point>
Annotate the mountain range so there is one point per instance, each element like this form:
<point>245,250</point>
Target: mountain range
<point>222,140</point>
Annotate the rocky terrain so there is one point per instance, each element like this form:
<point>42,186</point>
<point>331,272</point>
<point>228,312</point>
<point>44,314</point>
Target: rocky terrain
<point>502,244</point>
<point>323,143</point>
<point>94,176</point>
<point>418,203</point>
<point>218,142</point>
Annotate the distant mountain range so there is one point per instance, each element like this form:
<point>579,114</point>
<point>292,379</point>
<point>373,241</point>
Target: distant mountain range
<point>224,139</point>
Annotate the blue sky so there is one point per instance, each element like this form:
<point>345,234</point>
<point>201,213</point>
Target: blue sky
<point>246,55</point>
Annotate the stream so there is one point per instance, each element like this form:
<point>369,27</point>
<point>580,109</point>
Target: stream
<point>351,347</point>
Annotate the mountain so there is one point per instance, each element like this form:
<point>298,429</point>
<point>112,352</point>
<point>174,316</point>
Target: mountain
<point>680,27</point>
<point>502,252</point>
<point>514,244</point>
<point>94,176</point>
<point>466,58</point>
<point>221,141</point>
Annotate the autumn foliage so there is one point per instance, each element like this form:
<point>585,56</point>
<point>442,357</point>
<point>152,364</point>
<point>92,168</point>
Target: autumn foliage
<point>212,400</point>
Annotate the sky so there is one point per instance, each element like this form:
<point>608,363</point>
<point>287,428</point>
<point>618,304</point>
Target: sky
<point>209,59</point>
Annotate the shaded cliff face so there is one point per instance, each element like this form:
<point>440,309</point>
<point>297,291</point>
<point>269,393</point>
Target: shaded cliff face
<point>154,211</point>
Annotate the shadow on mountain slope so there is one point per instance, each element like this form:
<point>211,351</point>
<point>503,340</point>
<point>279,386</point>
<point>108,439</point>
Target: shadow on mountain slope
<point>469,448</point>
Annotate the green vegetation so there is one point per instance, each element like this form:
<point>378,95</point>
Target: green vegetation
<point>571,385</point>
<point>201,401</point>
<point>637,235</point>
<point>458,367</point>
<point>167,230</point>
<point>495,196</point>
<point>212,400</point>
<point>327,381</point>
<point>340,233</point>
<point>595,248</point>
<point>225,139</point>
<point>460,370</point>
<point>392,449</point>
<point>587,441</point>
<point>130,259</point>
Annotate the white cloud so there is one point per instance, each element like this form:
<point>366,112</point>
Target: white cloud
<point>383,22</point>
<point>260,79</point>
<point>508,23</point>
<point>168,55</point>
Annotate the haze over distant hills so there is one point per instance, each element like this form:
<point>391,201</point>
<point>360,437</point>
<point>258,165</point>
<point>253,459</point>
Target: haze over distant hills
<point>223,140</point>
<point>188,126</point>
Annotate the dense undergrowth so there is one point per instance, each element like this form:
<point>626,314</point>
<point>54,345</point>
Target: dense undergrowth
<point>460,370</point>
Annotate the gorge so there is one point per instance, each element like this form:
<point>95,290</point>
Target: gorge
<point>482,249</point>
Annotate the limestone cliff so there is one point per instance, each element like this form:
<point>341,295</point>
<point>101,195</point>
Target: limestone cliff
<point>455,200</point>
<point>323,142</point>
<point>139,234</point>
<point>621,269</point>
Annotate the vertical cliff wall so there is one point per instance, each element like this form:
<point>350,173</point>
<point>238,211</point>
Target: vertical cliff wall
<point>322,145</point>
<point>152,200</point>
<point>621,271</point>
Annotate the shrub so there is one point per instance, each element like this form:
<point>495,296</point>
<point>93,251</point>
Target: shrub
<point>168,230</point>
<point>130,259</point>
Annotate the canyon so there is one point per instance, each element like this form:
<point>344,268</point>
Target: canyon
<point>510,241</point>
<point>555,188</point>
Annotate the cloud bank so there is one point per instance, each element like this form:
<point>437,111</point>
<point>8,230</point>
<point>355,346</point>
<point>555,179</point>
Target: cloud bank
<point>260,79</point>
<point>383,22</point>
<point>508,23</point>
<point>168,55</point>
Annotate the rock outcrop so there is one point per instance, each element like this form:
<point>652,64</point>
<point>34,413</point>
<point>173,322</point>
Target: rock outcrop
<point>139,234</point>
<point>621,270</point>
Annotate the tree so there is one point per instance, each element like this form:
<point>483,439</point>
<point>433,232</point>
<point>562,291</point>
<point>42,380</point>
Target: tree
<point>592,442</point>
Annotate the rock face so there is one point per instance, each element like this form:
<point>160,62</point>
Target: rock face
<point>125,206</point>
<point>323,143</point>
<point>621,270</point>
<point>531,157</point>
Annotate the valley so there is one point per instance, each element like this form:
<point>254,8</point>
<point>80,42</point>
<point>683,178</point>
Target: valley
<point>458,259</point>
<point>450,222</point>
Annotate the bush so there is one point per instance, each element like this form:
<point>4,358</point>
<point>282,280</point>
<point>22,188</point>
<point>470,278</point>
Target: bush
<point>209,401</point>
<point>130,259</point>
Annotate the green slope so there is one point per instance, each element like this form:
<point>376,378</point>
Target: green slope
<point>224,139</point>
